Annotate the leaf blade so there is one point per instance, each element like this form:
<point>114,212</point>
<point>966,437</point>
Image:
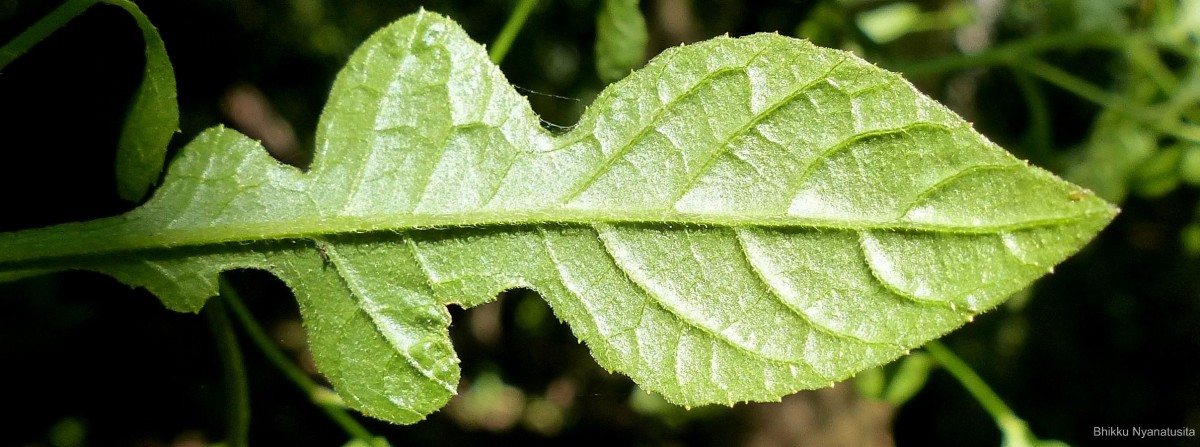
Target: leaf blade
<point>621,39</point>
<point>723,225</point>
<point>152,119</point>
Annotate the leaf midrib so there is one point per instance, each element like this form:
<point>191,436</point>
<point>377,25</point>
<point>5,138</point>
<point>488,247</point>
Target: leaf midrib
<point>37,247</point>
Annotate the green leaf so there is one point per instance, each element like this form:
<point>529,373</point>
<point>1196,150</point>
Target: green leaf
<point>1189,238</point>
<point>910,378</point>
<point>1016,433</point>
<point>153,117</point>
<point>898,382</point>
<point>1112,155</point>
<point>1110,16</point>
<point>1189,164</point>
<point>620,39</point>
<point>1158,174</point>
<point>895,20</point>
<point>889,22</point>
<point>825,24</point>
<point>871,382</point>
<point>741,219</point>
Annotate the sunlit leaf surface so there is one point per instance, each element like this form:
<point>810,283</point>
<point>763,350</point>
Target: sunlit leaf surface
<point>738,220</point>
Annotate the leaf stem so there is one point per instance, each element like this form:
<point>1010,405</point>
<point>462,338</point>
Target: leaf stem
<point>1015,431</point>
<point>1140,52</point>
<point>1019,55</point>
<point>1099,96</point>
<point>1012,52</point>
<point>511,28</point>
<point>318,394</point>
<point>1040,136</point>
<point>237,390</point>
<point>72,245</point>
<point>1075,85</point>
<point>42,28</point>
<point>970,380</point>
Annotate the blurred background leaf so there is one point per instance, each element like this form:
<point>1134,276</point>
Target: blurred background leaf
<point>620,39</point>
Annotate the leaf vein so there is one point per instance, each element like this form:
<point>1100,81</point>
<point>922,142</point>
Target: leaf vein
<point>646,129</point>
<point>849,141</point>
<point>739,237</point>
<point>358,177</point>
<point>721,147</point>
<point>936,186</point>
<point>608,238</point>
<point>370,307</point>
<point>864,247</point>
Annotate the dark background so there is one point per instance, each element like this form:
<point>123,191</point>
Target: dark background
<point>1110,339</point>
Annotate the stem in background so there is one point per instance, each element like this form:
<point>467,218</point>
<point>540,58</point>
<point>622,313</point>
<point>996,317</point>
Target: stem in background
<point>1077,85</point>
<point>237,391</point>
<point>1099,96</point>
<point>42,28</point>
<point>512,27</point>
<point>1142,53</point>
<point>970,380</point>
<point>1012,52</point>
<point>1019,55</point>
<point>1183,99</point>
<point>315,392</point>
<point>1014,430</point>
<point>1040,137</point>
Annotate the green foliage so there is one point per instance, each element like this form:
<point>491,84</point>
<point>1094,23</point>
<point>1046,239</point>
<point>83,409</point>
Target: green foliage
<point>1014,431</point>
<point>1158,175</point>
<point>898,382</point>
<point>511,28</point>
<point>739,220</point>
<point>1112,155</point>
<point>1189,238</point>
<point>910,377</point>
<point>893,20</point>
<point>1189,164</point>
<point>153,117</point>
<point>621,38</point>
<point>1139,143</point>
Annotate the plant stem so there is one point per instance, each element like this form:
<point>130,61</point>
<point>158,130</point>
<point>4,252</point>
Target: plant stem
<point>42,28</point>
<point>1013,429</point>
<point>1099,96</point>
<point>1076,85</point>
<point>1019,55</point>
<point>1012,52</point>
<point>1141,53</point>
<point>1040,137</point>
<point>310,388</point>
<point>971,381</point>
<point>511,28</point>
<point>237,422</point>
